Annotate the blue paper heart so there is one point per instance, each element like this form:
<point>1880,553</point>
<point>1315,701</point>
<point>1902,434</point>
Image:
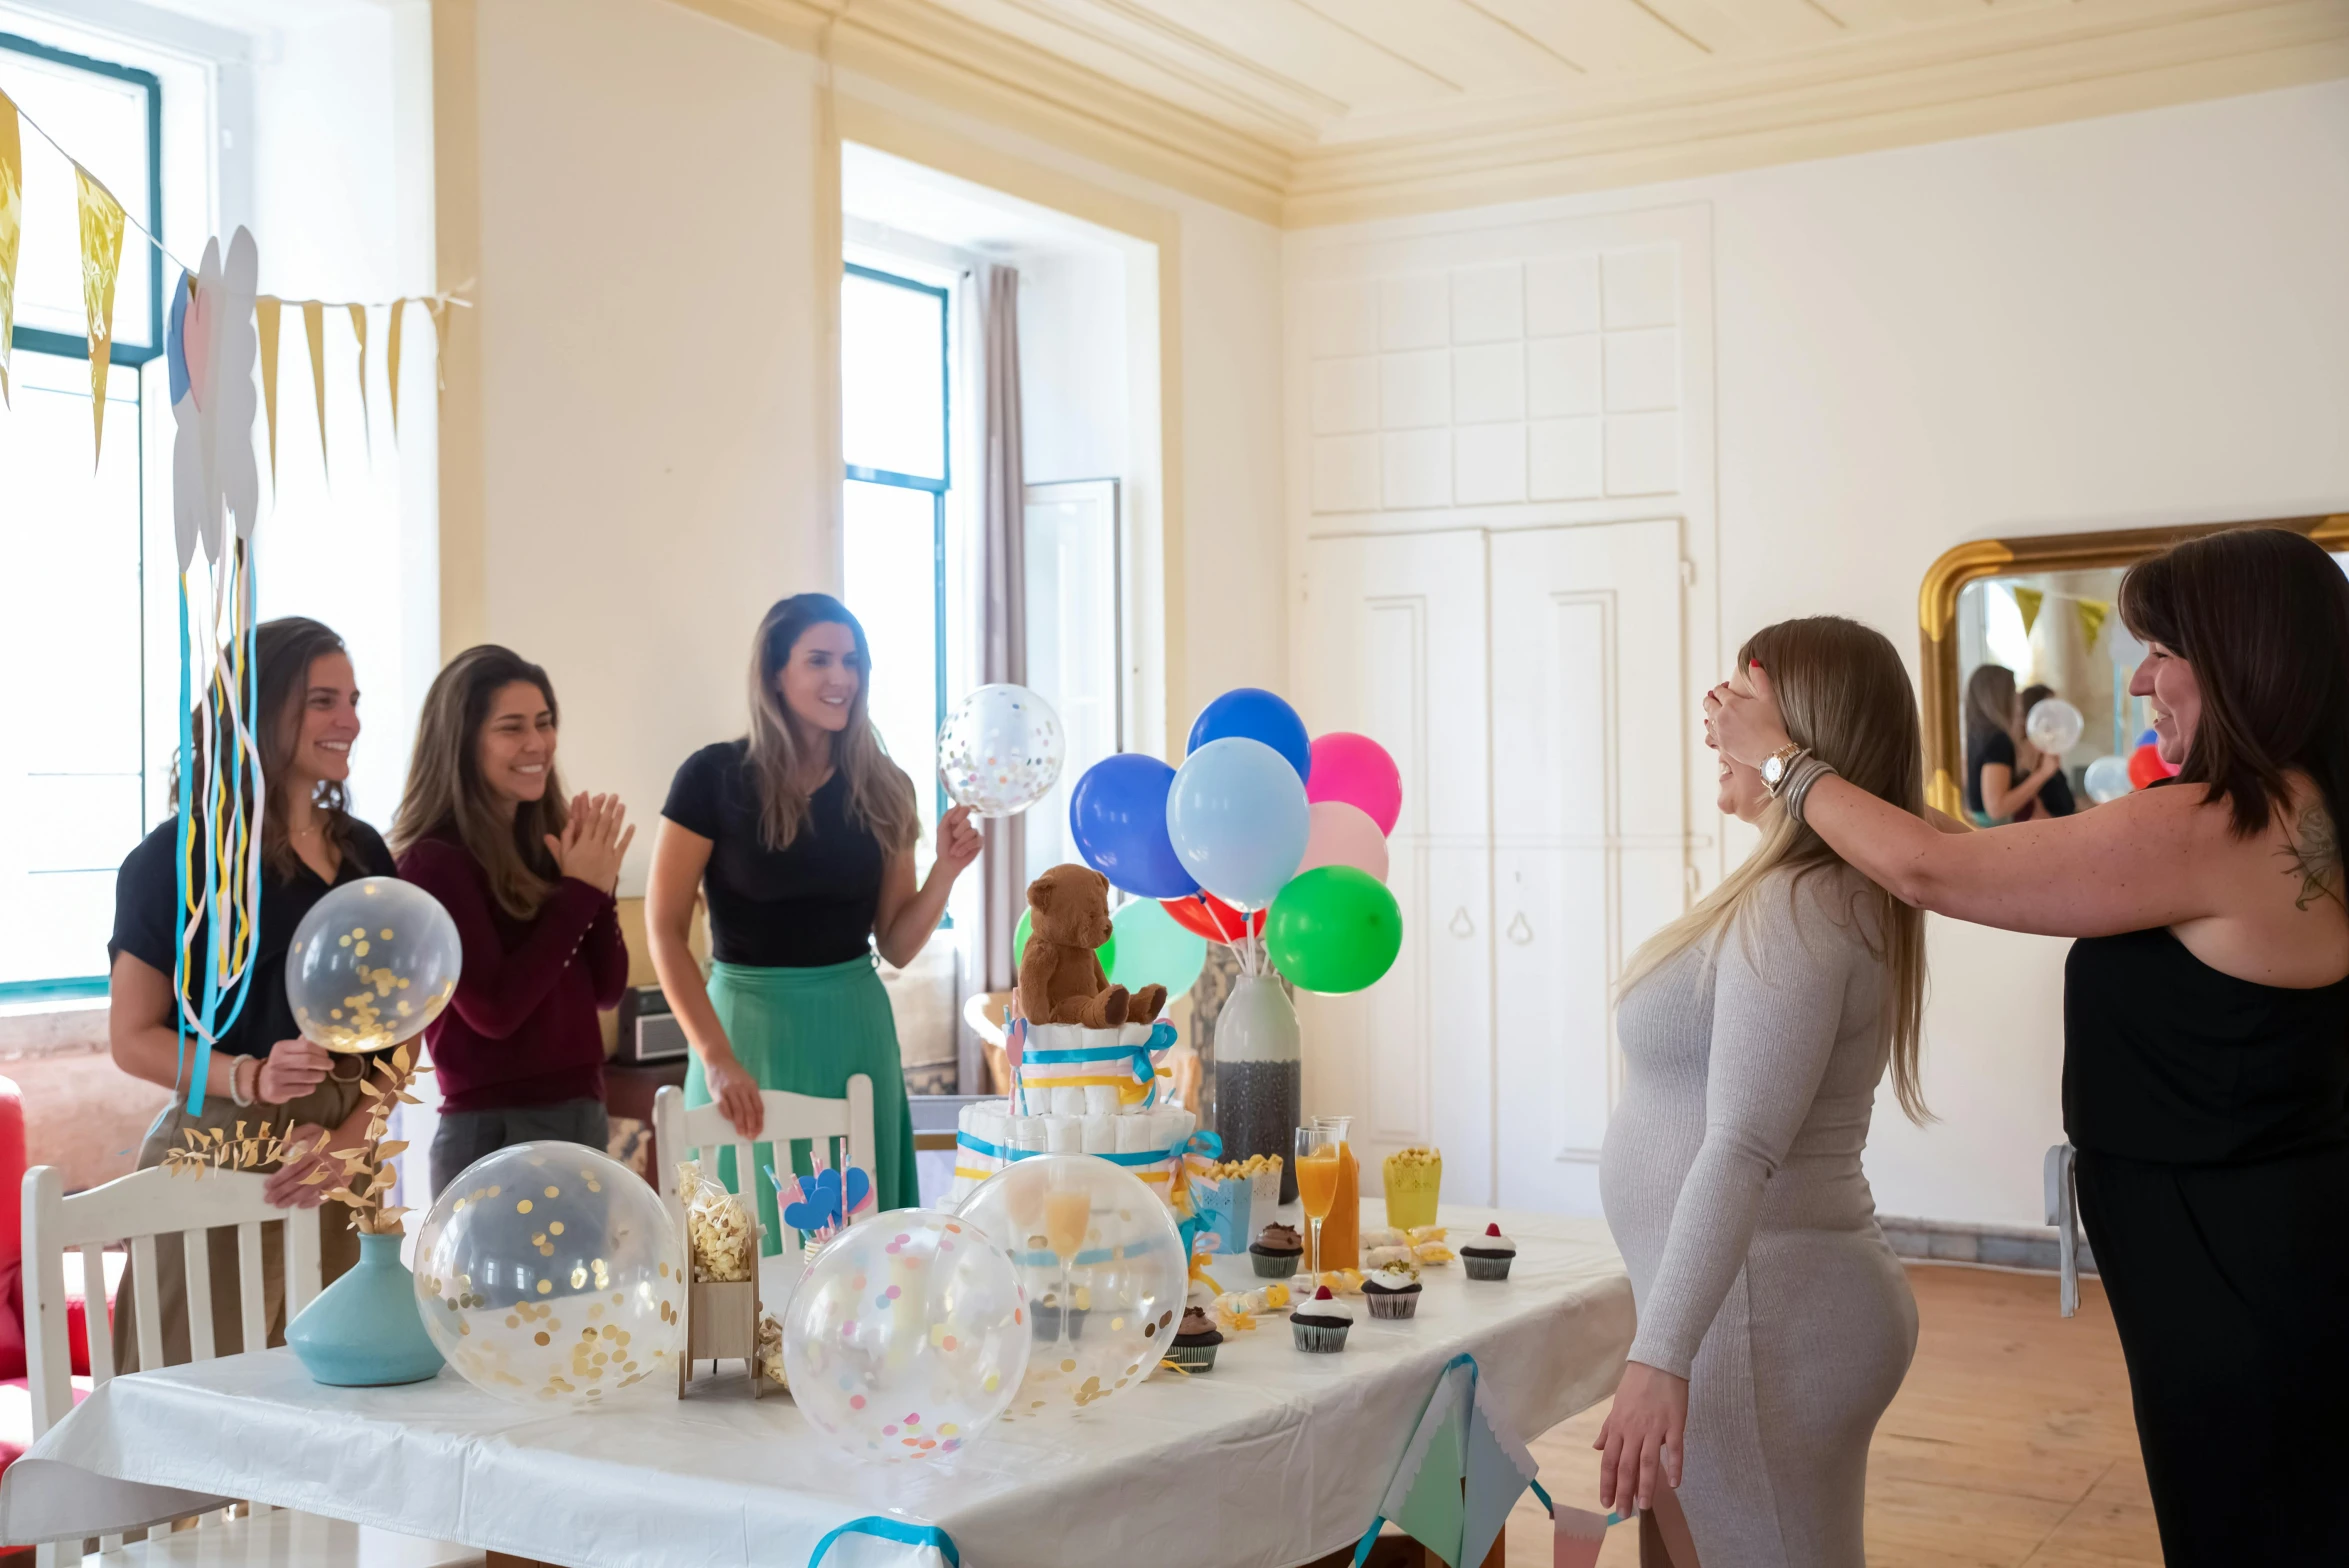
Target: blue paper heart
<point>860,1187</point>
<point>822,1205</point>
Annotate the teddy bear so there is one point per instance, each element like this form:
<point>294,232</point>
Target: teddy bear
<point>1060,977</point>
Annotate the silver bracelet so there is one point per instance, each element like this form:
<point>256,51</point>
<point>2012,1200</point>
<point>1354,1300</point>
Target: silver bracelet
<point>234,1093</point>
<point>1806,772</point>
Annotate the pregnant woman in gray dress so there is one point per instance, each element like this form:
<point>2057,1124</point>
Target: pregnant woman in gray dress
<point>1775,1324</point>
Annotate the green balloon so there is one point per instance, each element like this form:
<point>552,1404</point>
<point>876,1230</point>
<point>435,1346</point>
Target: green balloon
<point>1106,952</point>
<point>1153,950</point>
<point>1334,929</point>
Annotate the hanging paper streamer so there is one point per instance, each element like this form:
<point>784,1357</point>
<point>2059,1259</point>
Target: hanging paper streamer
<point>266,317</point>
<point>439,310</point>
<point>314,329</point>
<point>391,364</point>
<point>11,231</point>
<point>359,330</point>
<point>101,227</point>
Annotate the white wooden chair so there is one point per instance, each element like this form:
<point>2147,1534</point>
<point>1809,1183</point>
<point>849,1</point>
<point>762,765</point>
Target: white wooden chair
<point>844,1127</point>
<point>153,1209</point>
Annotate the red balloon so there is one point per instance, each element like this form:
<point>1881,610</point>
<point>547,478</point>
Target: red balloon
<point>2146,767</point>
<point>1203,914</point>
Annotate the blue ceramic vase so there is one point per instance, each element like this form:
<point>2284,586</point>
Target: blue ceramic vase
<point>365,1330</point>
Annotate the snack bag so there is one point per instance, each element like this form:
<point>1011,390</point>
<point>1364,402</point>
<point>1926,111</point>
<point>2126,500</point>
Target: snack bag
<point>720,1234</point>
<point>1223,1205</point>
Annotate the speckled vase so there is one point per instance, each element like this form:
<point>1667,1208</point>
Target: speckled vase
<point>364,1330</point>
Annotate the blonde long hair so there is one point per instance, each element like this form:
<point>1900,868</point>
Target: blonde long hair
<point>1843,693</point>
<point>880,796</point>
<point>445,793</point>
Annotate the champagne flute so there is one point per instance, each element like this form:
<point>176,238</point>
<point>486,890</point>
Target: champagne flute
<point>1067,1216</point>
<point>1317,1186</point>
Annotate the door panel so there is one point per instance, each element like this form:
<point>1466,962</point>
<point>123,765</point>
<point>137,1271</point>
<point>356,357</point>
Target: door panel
<point>1392,645</point>
<point>1589,828</point>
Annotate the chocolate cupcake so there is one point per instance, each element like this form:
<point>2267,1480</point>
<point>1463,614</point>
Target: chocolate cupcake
<point>1046,1315</point>
<point>1194,1343</point>
<point>1392,1290</point>
<point>1276,1250</point>
<point>1321,1325</point>
<point>1489,1255</point>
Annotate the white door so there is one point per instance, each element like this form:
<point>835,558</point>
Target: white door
<point>1391,644</point>
<point>1589,828</point>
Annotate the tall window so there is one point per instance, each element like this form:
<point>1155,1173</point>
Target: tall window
<point>895,417</point>
<point>83,709</point>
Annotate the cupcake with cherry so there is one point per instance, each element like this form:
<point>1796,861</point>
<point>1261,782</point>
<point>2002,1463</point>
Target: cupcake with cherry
<point>1488,1256</point>
<point>1321,1325</point>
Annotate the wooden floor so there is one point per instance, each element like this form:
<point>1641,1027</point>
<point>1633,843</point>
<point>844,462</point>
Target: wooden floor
<point>2011,1443</point>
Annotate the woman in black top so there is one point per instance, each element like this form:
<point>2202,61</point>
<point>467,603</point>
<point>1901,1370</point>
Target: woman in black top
<point>262,1073</point>
<point>1997,789</point>
<point>801,835</point>
<point>2055,796</point>
<point>2206,1028</point>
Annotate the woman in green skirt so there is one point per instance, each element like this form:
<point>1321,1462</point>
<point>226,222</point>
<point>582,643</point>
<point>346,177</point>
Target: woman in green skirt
<point>801,835</point>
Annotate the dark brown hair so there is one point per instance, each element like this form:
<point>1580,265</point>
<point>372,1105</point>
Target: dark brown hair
<point>880,796</point>
<point>2262,614</point>
<point>283,651</point>
<point>1991,703</point>
<point>446,795</point>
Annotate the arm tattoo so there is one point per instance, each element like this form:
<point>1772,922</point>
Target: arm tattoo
<point>2315,858</point>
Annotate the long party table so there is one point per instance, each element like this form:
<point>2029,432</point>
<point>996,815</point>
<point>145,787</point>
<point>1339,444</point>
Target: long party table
<point>1272,1458</point>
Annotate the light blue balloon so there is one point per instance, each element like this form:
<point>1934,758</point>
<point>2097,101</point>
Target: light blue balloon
<point>1153,950</point>
<point>1237,818</point>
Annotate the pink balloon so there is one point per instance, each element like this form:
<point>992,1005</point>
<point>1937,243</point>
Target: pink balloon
<point>1356,770</point>
<point>1338,834</point>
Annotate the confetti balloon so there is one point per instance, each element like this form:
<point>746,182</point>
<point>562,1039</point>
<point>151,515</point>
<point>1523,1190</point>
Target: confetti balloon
<point>1104,1269</point>
<point>999,751</point>
<point>550,1273</point>
<point>372,963</point>
<point>2053,725</point>
<point>907,1337</point>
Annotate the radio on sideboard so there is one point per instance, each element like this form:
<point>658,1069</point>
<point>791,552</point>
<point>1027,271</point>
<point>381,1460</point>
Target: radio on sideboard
<point>649,1032</point>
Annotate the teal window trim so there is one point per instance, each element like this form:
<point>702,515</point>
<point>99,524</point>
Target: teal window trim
<point>81,989</point>
<point>67,345</point>
<point>936,488</point>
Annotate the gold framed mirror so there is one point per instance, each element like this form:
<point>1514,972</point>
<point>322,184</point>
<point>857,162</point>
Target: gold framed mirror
<point>2043,604</point>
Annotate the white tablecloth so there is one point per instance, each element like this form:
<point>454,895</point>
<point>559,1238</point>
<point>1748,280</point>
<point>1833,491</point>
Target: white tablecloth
<point>1273,1458</point>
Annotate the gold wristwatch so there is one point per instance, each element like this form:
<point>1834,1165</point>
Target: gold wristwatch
<point>1777,765</point>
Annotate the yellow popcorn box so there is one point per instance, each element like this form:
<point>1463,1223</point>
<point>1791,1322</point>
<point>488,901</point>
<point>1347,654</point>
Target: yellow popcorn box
<point>1412,1179</point>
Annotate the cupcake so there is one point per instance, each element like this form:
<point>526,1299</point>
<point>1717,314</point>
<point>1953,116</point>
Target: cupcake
<point>1276,1250</point>
<point>1321,1324</point>
<point>1046,1314</point>
<point>1489,1255</point>
<point>1392,1290</point>
<point>1194,1343</point>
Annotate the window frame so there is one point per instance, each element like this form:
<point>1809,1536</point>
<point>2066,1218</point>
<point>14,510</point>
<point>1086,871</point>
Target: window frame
<point>936,488</point>
<point>62,345</point>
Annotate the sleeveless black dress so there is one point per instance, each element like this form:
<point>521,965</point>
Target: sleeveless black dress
<point>2212,1119</point>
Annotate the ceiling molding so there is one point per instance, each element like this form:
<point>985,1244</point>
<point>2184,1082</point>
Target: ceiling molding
<point>1854,93</point>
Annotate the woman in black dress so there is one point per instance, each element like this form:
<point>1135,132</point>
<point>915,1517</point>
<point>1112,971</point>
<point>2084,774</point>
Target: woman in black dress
<point>1998,788</point>
<point>2206,1027</point>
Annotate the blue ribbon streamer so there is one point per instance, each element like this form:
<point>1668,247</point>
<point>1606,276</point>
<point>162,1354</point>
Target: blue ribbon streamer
<point>891,1530</point>
<point>996,1151</point>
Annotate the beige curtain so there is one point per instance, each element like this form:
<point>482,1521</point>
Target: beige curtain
<point>1004,654</point>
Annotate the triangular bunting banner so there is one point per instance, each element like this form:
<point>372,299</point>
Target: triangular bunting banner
<point>314,328</point>
<point>439,309</point>
<point>11,231</point>
<point>1459,1476</point>
<point>101,227</point>
<point>266,313</point>
<point>2028,601</point>
<point>391,363</point>
<point>2092,614</point>
<point>359,330</point>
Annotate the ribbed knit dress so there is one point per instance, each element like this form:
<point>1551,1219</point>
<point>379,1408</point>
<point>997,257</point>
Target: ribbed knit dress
<point>1731,1178</point>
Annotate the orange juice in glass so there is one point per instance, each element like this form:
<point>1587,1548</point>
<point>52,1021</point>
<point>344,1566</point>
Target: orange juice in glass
<point>1412,1179</point>
<point>1341,1233</point>
<point>1317,1185</point>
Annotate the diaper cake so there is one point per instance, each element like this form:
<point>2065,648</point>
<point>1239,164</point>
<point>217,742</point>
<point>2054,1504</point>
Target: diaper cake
<point>1076,1090</point>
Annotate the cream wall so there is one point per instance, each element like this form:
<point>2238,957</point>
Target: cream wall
<point>2130,320</point>
<point>651,370</point>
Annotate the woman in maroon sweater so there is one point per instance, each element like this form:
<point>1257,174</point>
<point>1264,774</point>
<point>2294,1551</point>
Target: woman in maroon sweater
<point>483,827</point>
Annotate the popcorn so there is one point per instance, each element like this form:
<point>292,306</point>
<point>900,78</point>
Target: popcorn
<point>1247,1167</point>
<point>719,1230</point>
<point>770,1357</point>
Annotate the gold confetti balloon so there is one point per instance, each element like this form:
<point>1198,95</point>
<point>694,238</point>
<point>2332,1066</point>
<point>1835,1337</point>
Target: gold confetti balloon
<point>999,751</point>
<point>372,963</point>
<point>551,1274</point>
<point>1104,1269</point>
<point>907,1338</point>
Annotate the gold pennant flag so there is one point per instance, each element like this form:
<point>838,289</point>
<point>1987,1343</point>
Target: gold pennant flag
<point>2092,614</point>
<point>440,341</point>
<point>266,311</point>
<point>2028,600</point>
<point>359,330</point>
<point>314,328</point>
<point>11,231</point>
<point>102,220</point>
<point>391,364</point>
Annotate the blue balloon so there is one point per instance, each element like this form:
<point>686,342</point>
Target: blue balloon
<point>1251,713</point>
<point>1117,816</point>
<point>175,340</point>
<point>2149,738</point>
<point>1237,817</point>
